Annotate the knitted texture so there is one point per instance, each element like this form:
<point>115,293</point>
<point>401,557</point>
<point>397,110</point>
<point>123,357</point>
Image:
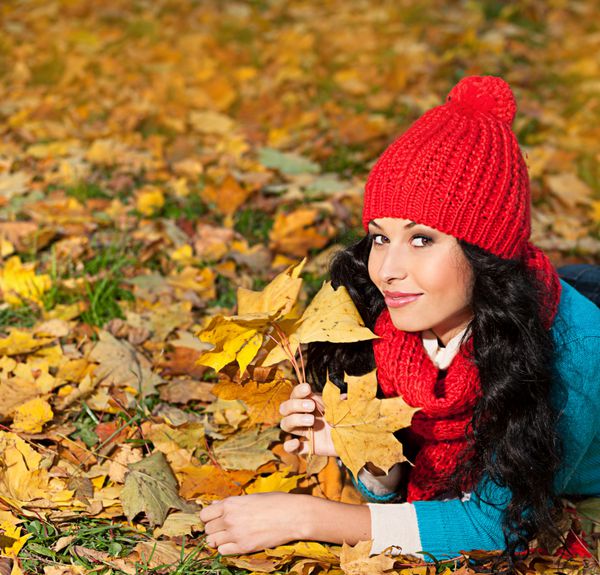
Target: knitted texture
<point>459,169</point>
<point>405,369</point>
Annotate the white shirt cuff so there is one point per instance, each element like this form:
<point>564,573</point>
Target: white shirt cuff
<point>394,525</point>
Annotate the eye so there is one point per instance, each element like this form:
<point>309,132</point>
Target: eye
<point>421,241</point>
<point>379,239</point>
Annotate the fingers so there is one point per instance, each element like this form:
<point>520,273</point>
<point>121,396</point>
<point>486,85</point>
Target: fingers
<point>211,512</point>
<point>291,423</point>
<point>216,540</point>
<point>215,526</point>
<point>297,406</point>
<point>296,446</point>
<point>301,390</point>
<point>230,549</point>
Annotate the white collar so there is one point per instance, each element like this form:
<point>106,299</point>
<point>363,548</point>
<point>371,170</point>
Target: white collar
<point>441,356</point>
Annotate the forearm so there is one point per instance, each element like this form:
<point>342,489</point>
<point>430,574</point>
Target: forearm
<point>335,522</point>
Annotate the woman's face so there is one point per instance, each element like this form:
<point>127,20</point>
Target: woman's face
<point>423,275</point>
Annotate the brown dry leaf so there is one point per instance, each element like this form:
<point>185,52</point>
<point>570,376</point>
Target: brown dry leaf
<point>211,482</point>
<point>262,399</point>
<point>188,436</point>
<point>104,558</point>
<point>64,570</point>
<point>182,361</point>
<point>228,197</point>
<point>179,523</point>
<point>124,455</point>
<point>297,233</point>
<point>363,426</point>
<point>121,365</point>
<point>569,189</point>
<point>246,449</point>
<point>151,488</point>
<point>177,391</point>
<point>17,232</point>
<point>257,562</point>
<point>15,391</point>
<point>356,560</point>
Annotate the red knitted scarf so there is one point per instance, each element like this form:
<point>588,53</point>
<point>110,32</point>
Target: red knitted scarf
<point>404,368</point>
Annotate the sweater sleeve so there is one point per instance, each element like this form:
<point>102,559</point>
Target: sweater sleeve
<point>448,527</point>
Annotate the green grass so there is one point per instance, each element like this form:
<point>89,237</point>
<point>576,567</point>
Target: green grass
<point>100,535</point>
<point>253,224</point>
<point>104,293</point>
<point>83,191</point>
<point>23,316</point>
<point>346,161</point>
<point>190,207</point>
<point>226,293</point>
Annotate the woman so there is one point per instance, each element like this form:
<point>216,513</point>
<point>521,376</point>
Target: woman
<point>476,329</point>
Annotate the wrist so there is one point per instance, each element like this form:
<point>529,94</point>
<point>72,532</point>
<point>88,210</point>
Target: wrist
<point>306,517</point>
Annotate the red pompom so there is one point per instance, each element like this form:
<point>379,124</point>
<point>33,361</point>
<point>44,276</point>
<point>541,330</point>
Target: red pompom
<point>485,94</point>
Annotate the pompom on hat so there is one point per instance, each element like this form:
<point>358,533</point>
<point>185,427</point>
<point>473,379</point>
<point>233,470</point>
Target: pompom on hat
<point>459,169</point>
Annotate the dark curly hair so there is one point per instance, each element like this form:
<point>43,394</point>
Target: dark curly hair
<point>513,429</point>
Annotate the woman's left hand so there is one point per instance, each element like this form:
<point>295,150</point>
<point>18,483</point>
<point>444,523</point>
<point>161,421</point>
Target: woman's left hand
<point>247,523</point>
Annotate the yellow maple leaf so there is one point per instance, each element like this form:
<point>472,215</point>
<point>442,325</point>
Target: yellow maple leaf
<point>277,481</point>
<point>30,417</point>
<point>19,282</point>
<point>363,426</point>
<point>309,549</point>
<point>199,281</point>
<point>20,341</point>
<point>277,299</point>
<point>12,541</point>
<point>184,255</point>
<point>330,316</point>
<point>150,200</point>
<point>232,341</point>
<point>22,475</point>
<point>240,337</point>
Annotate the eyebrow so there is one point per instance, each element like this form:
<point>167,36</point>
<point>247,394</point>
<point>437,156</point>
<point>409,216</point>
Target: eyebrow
<point>406,227</point>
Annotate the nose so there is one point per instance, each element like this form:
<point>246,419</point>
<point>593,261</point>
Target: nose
<point>393,267</point>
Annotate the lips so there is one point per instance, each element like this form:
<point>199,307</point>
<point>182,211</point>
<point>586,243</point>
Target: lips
<point>399,299</point>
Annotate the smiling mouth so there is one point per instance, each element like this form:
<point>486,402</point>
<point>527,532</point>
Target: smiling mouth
<point>399,299</point>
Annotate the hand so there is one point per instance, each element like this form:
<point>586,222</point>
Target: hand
<point>302,411</point>
<point>247,523</point>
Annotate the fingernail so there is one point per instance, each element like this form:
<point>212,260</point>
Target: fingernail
<point>307,404</point>
<point>305,388</point>
<point>307,419</point>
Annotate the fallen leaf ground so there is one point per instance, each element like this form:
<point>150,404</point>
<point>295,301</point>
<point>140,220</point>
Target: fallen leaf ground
<point>155,156</point>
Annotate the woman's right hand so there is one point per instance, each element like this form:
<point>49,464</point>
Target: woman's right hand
<point>302,411</point>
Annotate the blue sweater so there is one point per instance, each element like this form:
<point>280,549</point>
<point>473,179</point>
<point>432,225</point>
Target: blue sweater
<point>448,527</point>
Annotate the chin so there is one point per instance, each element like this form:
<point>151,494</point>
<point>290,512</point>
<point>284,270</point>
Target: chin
<point>407,324</point>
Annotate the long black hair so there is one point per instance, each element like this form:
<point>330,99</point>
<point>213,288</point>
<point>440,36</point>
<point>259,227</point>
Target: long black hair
<point>513,429</point>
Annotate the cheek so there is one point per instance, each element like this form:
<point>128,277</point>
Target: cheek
<point>450,277</point>
<point>372,266</point>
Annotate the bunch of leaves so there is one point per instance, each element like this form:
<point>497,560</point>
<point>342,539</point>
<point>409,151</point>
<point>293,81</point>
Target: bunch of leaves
<point>362,426</point>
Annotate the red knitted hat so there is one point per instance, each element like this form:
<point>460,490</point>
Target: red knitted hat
<point>459,169</point>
